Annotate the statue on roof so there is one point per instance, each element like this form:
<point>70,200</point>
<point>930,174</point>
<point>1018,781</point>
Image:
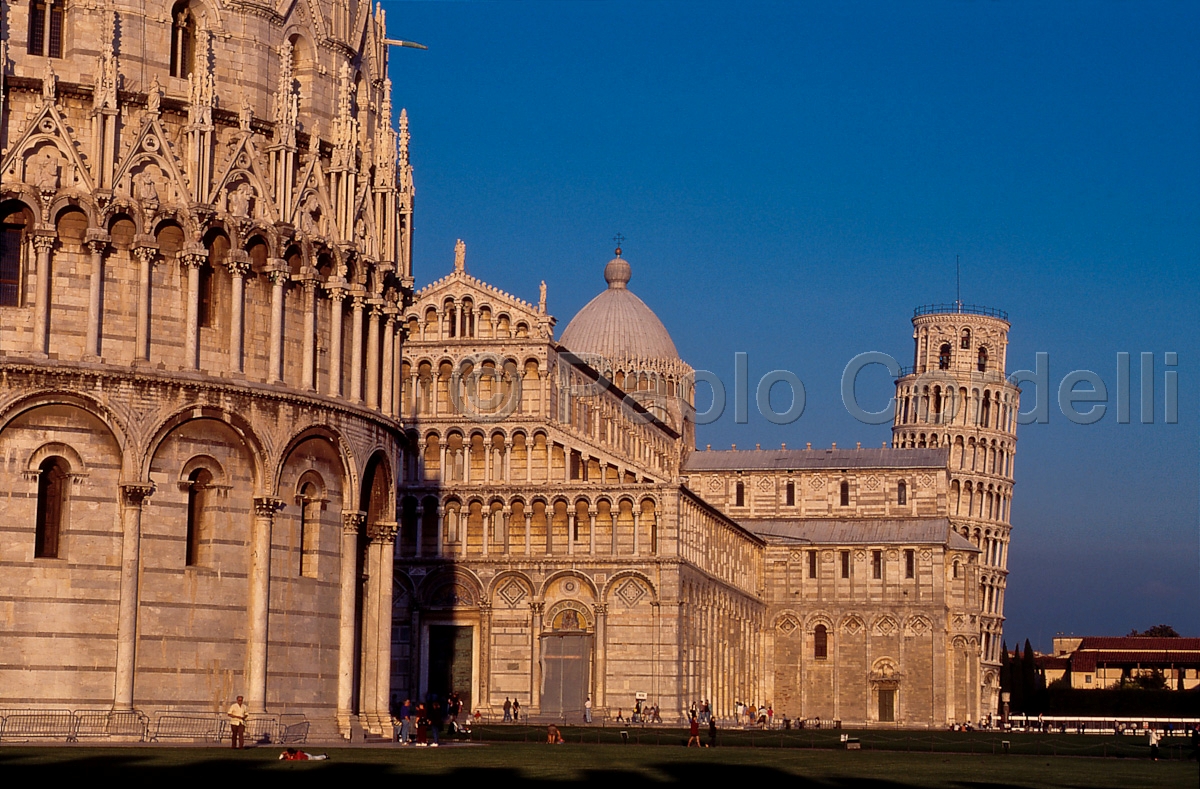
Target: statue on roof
<point>460,256</point>
<point>542,298</point>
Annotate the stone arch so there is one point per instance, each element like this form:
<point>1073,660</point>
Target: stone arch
<point>377,496</point>
<point>72,203</point>
<point>341,448</point>
<point>214,467</point>
<point>236,422</point>
<point>21,405</point>
<point>557,614</point>
<point>512,586</point>
<point>453,588</point>
<point>818,618</point>
<point>56,449</point>
<point>585,583</point>
<point>610,588</point>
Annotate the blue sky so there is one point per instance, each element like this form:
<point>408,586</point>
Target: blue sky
<point>792,179</point>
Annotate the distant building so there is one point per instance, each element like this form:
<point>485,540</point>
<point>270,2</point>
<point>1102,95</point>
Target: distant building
<point>1102,662</point>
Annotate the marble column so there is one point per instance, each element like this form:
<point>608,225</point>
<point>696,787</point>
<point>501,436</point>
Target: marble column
<point>238,263</point>
<point>535,654</point>
<point>528,532</point>
<point>277,272</point>
<point>308,366</point>
<point>358,304</point>
<point>421,526</point>
<point>397,365</point>
<point>383,540</point>
<point>443,528</point>
<point>97,242</point>
<point>191,261</point>
<point>348,586</point>
<point>387,373</point>
<point>133,497</point>
<point>337,293</point>
<point>485,654</point>
<point>485,519</point>
<point>571,515</point>
<point>592,532</point>
<point>146,251</point>
<point>260,598</point>
<point>43,243</point>
<point>373,342</point>
<point>601,654</point>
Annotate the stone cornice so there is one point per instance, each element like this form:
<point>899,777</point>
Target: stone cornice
<point>144,375</point>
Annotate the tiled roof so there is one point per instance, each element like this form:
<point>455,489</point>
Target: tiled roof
<point>803,459</point>
<point>866,531</point>
<point>1138,643</point>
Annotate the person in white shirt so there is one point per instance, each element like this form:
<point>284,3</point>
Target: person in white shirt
<point>587,710</point>
<point>237,724</point>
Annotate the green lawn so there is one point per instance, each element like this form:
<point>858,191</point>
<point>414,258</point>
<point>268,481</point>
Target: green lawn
<point>611,766</point>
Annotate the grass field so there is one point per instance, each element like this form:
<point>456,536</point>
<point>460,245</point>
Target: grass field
<point>610,766</point>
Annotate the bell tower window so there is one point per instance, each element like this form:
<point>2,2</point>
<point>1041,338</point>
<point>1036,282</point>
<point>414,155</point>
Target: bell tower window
<point>46,28</point>
<point>53,476</point>
<point>183,41</point>
<point>966,339</point>
<point>10,265</point>
<point>944,357</point>
<point>983,360</point>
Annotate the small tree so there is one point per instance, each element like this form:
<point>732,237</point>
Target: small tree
<point>1158,631</point>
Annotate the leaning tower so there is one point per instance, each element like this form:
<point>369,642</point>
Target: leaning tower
<point>956,395</point>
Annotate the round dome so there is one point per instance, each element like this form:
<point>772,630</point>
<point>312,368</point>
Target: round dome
<point>617,324</point>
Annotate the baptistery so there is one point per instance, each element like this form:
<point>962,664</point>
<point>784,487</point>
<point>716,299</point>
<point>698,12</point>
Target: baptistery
<point>205,245</point>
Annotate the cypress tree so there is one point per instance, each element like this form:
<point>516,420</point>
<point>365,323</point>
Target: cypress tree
<point>1029,688</point>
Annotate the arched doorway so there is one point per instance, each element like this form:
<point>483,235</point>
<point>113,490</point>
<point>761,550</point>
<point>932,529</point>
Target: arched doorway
<point>566,661</point>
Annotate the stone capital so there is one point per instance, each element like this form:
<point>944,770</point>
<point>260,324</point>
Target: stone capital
<point>238,263</point>
<point>353,521</point>
<point>382,531</point>
<point>135,494</point>
<point>267,506</point>
<point>147,253</point>
<point>277,271</point>
<point>96,240</point>
<point>42,241</point>
<point>192,259</point>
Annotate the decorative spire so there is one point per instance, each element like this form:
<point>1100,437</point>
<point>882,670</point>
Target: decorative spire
<point>460,256</point>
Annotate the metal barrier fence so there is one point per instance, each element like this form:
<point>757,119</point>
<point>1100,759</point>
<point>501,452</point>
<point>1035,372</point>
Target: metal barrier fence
<point>19,725</point>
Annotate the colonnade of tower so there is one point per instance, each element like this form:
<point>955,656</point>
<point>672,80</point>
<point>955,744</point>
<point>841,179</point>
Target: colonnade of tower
<point>957,395</point>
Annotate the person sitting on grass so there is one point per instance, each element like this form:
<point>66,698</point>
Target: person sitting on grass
<point>553,735</point>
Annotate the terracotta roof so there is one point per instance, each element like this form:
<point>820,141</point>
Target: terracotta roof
<point>801,459</point>
<point>1130,643</point>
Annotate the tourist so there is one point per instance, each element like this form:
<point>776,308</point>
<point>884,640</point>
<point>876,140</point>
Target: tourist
<point>516,710</point>
<point>293,755</point>
<point>553,735</point>
<point>712,732</point>
<point>237,724</point>
<point>507,710</point>
<point>587,710</point>
<point>1154,738</point>
<point>693,732</point>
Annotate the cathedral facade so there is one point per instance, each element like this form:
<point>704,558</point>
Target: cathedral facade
<point>561,539</point>
<point>242,456</point>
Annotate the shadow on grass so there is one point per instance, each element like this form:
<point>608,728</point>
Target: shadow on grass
<point>162,769</point>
